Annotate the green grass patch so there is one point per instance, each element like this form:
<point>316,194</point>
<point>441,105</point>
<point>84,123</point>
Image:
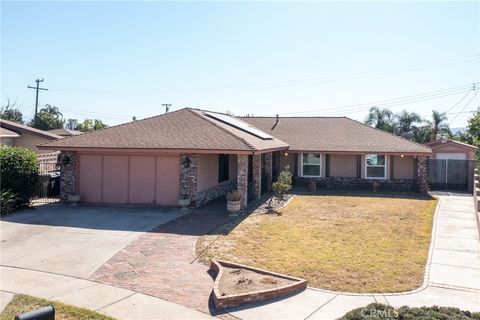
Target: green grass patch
<point>23,303</point>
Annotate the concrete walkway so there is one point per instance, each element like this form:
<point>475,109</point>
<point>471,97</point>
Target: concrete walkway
<point>115,302</point>
<point>452,275</point>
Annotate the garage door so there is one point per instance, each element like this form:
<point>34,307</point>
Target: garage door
<point>453,156</point>
<point>122,179</point>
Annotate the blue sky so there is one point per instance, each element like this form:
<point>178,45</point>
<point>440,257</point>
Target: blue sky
<point>114,60</point>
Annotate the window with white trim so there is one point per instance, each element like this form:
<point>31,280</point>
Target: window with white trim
<point>311,164</point>
<point>375,166</point>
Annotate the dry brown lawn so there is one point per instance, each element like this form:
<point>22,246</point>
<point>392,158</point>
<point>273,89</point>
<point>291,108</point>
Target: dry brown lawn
<point>344,243</point>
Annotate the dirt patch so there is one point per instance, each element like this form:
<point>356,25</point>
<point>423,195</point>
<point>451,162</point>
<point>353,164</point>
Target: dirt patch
<point>236,281</point>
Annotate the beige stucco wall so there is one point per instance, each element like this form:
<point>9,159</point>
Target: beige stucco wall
<point>343,166</point>
<point>207,174</point>
<point>30,141</point>
<point>207,171</point>
<point>450,148</point>
<point>403,167</point>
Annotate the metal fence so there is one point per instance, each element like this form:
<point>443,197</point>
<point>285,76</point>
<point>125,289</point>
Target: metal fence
<point>449,174</point>
<point>48,186</point>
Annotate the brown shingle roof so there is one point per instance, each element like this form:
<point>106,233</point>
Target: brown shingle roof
<point>65,132</point>
<point>436,143</point>
<point>182,129</point>
<point>8,133</point>
<point>334,135</point>
<point>18,127</point>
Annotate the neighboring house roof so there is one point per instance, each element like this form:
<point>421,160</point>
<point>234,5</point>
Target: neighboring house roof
<point>440,143</point>
<point>189,129</point>
<point>334,134</point>
<point>5,133</point>
<point>21,128</point>
<point>65,132</point>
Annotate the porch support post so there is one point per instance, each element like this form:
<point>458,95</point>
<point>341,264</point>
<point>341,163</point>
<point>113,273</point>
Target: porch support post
<point>257,175</point>
<point>188,176</point>
<point>269,170</point>
<point>242,178</point>
<point>68,174</point>
<point>421,178</point>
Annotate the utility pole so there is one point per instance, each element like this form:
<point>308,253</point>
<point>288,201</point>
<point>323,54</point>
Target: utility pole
<point>36,99</point>
<point>167,106</point>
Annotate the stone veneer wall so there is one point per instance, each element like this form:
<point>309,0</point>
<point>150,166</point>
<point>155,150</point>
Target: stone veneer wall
<point>421,178</point>
<point>68,174</point>
<point>257,175</point>
<point>242,178</point>
<point>268,170</point>
<point>188,176</point>
<point>340,183</point>
<point>214,192</point>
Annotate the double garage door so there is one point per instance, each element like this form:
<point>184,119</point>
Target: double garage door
<point>129,179</point>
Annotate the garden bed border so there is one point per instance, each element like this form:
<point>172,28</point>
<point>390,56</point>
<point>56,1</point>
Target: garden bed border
<point>222,302</point>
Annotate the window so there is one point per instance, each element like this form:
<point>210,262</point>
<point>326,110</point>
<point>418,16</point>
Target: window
<point>375,166</point>
<point>310,164</point>
<point>223,167</point>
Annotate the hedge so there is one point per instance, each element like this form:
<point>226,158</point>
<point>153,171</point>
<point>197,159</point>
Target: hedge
<point>19,173</point>
<point>377,311</point>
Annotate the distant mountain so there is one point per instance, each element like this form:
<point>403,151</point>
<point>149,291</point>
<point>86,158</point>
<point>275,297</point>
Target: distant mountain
<point>455,130</point>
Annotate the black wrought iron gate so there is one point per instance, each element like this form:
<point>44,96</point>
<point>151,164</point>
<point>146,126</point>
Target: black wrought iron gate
<point>449,174</point>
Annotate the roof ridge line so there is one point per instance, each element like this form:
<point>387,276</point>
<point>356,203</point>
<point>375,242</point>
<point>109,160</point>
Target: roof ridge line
<point>118,125</point>
<point>389,133</point>
<point>251,147</point>
<point>26,127</point>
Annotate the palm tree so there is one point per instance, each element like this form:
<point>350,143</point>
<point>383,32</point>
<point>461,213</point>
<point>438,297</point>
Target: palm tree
<point>438,124</point>
<point>406,122</point>
<point>380,119</point>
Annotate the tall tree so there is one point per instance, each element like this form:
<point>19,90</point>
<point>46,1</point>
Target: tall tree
<point>91,125</point>
<point>49,118</point>
<point>380,119</point>
<point>438,124</point>
<point>11,112</point>
<point>406,122</point>
<point>72,124</point>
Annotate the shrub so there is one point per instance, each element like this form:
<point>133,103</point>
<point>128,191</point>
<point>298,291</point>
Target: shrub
<point>283,183</point>
<point>376,311</point>
<point>7,202</point>
<point>234,195</point>
<point>19,173</point>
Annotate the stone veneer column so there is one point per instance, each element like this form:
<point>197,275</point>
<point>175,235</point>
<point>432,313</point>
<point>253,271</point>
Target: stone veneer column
<point>268,170</point>
<point>188,176</point>
<point>421,178</point>
<point>242,178</point>
<point>257,175</point>
<point>68,174</point>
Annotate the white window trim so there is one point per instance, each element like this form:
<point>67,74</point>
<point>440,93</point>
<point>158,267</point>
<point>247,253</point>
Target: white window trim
<point>384,168</point>
<point>301,165</point>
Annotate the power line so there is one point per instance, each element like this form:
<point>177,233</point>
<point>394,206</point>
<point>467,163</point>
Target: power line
<point>280,84</point>
<point>391,102</point>
<point>465,106</point>
<point>37,88</point>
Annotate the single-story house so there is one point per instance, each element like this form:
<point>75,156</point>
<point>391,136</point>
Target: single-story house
<point>202,155</point>
<point>65,132</point>
<point>19,135</point>
<point>444,148</point>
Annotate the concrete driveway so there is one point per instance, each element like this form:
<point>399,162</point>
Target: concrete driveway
<point>74,241</point>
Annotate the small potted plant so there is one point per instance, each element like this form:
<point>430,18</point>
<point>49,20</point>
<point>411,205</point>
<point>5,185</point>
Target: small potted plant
<point>184,201</point>
<point>74,199</point>
<point>233,202</point>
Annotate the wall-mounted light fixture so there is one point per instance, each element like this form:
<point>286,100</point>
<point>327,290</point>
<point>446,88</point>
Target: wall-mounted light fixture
<point>401,156</point>
<point>285,154</point>
<point>186,162</point>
